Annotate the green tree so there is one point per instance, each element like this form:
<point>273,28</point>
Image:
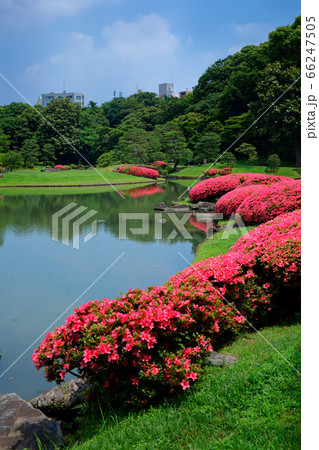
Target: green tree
<point>273,163</point>
<point>285,44</point>
<point>208,146</point>
<point>138,146</point>
<point>12,160</point>
<point>228,159</point>
<point>29,152</point>
<point>4,142</point>
<point>283,119</point>
<point>48,153</point>
<point>64,116</point>
<point>104,160</point>
<point>249,152</point>
<point>173,143</point>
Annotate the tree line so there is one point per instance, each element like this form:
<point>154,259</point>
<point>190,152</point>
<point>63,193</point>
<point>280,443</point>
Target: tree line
<point>230,96</point>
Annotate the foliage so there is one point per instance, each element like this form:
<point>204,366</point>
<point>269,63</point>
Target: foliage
<point>249,151</point>
<point>139,172</point>
<point>104,160</point>
<point>30,152</point>
<point>12,160</point>
<point>209,146</point>
<point>273,163</point>
<point>229,159</point>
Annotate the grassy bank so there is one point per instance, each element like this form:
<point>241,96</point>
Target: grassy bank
<point>219,243</point>
<point>67,190</point>
<point>253,404</point>
<point>69,177</point>
<point>197,171</point>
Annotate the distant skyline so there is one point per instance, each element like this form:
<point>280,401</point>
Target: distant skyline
<point>99,46</point>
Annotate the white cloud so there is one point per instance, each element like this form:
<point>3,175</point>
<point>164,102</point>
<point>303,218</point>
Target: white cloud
<point>147,36</point>
<point>249,28</point>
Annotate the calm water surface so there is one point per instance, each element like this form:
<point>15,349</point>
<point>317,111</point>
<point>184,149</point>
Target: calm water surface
<point>41,278</point>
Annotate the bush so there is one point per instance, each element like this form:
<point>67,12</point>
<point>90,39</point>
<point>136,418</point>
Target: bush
<point>271,201</point>
<point>229,159</point>
<point>139,172</point>
<point>214,188</point>
<point>229,203</point>
<point>150,343</point>
<point>104,160</point>
<point>162,164</point>
<point>210,173</point>
<point>273,162</point>
<point>12,160</point>
<point>249,151</point>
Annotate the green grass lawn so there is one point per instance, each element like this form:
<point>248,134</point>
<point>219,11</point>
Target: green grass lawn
<point>254,404</point>
<point>219,243</point>
<point>69,177</point>
<point>197,171</point>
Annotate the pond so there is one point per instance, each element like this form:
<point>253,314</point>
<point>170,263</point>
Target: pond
<point>43,280</point>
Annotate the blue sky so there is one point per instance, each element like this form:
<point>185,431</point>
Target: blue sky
<point>98,46</point>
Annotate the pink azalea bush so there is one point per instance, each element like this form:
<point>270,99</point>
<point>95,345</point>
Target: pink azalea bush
<point>229,203</point>
<point>210,173</point>
<point>149,343</point>
<point>271,201</point>
<point>216,187</point>
<point>160,164</point>
<point>139,172</point>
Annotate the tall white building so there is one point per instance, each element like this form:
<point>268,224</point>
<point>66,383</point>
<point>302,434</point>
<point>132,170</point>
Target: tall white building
<point>75,97</point>
<point>166,90</point>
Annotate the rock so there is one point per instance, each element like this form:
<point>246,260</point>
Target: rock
<point>20,423</point>
<point>203,207</point>
<point>160,207</point>
<point>62,398</point>
<point>220,359</point>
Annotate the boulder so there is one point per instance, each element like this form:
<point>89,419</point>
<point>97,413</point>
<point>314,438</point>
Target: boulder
<point>21,425</point>
<point>203,207</point>
<point>160,207</point>
<point>60,399</point>
<point>220,359</point>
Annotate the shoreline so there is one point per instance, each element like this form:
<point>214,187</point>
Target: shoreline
<point>77,185</point>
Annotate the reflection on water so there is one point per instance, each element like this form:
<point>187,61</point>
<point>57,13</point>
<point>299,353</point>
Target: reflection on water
<point>41,278</point>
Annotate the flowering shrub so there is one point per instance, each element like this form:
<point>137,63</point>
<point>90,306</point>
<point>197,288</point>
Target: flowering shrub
<point>214,188</point>
<point>152,342</point>
<point>159,164</point>
<point>58,166</point>
<point>141,191</point>
<point>271,201</point>
<point>230,202</point>
<point>210,173</point>
<point>260,178</point>
<point>225,171</point>
<point>139,171</point>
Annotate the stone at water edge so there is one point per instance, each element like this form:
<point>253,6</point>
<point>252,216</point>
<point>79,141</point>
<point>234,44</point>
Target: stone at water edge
<point>20,423</point>
<point>61,398</point>
<point>160,207</point>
